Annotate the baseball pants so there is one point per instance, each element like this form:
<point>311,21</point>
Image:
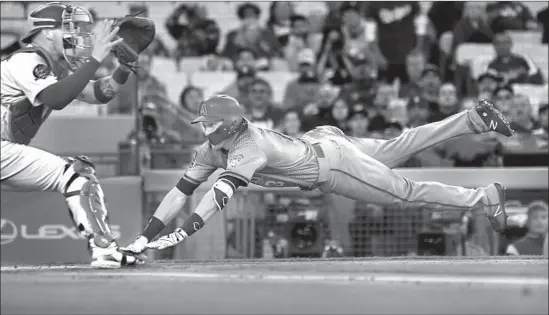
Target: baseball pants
<point>360,169</point>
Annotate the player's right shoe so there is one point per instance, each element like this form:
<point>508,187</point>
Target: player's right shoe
<point>497,215</point>
<point>493,118</point>
<point>110,257</point>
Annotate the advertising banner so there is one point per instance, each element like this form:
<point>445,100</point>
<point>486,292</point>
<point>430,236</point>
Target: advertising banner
<point>36,227</point>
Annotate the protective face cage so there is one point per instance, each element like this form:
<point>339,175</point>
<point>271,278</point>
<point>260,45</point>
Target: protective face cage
<point>76,28</point>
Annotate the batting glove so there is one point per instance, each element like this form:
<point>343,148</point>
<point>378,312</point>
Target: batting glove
<point>137,247</point>
<point>169,240</point>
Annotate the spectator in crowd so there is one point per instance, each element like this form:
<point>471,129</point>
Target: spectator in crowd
<point>305,89</point>
<point>417,111</point>
<point>195,34</point>
<point>542,132</point>
<point>157,46</point>
<point>429,85</point>
<point>318,113</point>
<point>479,150</point>
<point>395,23</point>
<point>393,129</point>
<point>363,73</point>
<point>512,67</point>
<point>246,57</point>
<point>291,124</point>
<point>532,243</point>
<point>239,88</point>
<point>251,35</point>
<point>339,115</point>
<point>503,98</point>
<point>380,114</point>
<point>487,83</point>
<point>444,16</point>
<point>473,27</point>
<point>415,64</point>
<point>511,15</point>
<point>190,99</point>
<point>522,120</point>
<point>147,85</point>
<point>448,102</point>
<point>358,121</point>
<point>468,247</point>
<point>543,19</point>
<point>279,22</point>
<point>260,108</point>
<point>300,38</point>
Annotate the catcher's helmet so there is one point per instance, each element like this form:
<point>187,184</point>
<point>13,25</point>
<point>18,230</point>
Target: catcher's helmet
<point>221,117</point>
<point>75,23</point>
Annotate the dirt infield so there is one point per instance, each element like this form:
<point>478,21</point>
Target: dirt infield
<point>335,286</point>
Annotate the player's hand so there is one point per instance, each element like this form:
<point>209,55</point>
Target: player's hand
<point>169,240</point>
<point>104,39</point>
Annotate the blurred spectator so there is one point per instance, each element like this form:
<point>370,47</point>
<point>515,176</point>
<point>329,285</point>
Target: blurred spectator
<point>317,114</point>
<point>300,39</point>
<point>291,124</point>
<point>415,64</point>
<point>251,35</point>
<point>511,15</point>
<point>543,19</point>
<point>542,133</point>
<point>260,108</point>
<point>512,67</point>
<point>478,150</point>
<point>147,85</point>
<point>195,34</point>
<point>358,121</point>
<point>279,22</point>
<point>395,23</point>
<point>503,99</point>
<point>190,99</point>
<point>417,111</point>
<point>339,115</point>
<point>468,247</point>
<point>305,89</point>
<point>487,83</point>
<point>444,16</point>
<point>393,129</point>
<point>380,113</point>
<point>473,27</point>
<point>214,63</point>
<point>157,47</point>
<point>429,85</point>
<point>363,73</point>
<point>521,115</point>
<point>536,223</point>
<point>448,103</point>
<point>239,88</point>
<point>246,57</point>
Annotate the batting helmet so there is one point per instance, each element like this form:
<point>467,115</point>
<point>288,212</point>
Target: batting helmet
<point>75,23</point>
<point>221,116</point>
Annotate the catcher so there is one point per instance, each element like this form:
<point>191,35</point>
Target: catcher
<point>324,158</point>
<point>53,69</point>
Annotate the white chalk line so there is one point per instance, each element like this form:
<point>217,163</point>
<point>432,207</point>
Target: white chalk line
<point>387,278</point>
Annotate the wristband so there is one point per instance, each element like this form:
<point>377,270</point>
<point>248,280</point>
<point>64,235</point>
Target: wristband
<point>120,76</point>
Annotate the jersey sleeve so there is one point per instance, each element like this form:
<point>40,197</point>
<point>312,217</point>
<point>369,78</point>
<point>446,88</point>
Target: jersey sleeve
<point>31,74</point>
<point>244,159</point>
<point>201,167</point>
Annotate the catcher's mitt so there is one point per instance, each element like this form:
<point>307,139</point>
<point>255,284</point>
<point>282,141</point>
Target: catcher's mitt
<point>138,33</point>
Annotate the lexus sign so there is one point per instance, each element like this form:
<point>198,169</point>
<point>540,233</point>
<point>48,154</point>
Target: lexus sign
<point>11,231</point>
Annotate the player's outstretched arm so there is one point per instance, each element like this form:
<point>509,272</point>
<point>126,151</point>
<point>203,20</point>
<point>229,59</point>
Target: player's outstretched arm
<point>213,201</point>
<point>103,90</point>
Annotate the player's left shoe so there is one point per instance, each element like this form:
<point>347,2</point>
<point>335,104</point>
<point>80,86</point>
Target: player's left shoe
<point>110,257</point>
<point>493,118</point>
<point>497,215</point>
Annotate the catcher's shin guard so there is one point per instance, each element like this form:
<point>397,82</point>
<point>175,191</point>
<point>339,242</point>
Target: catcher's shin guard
<point>86,200</point>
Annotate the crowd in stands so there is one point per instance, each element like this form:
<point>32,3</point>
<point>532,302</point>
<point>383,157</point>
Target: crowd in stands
<point>372,69</point>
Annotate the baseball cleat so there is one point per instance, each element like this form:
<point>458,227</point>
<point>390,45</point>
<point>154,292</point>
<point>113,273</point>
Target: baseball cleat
<point>493,118</point>
<point>110,257</point>
<point>497,215</point>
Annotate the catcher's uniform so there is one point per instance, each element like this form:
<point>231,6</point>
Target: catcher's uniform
<point>327,159</point>
<point>23,75</point>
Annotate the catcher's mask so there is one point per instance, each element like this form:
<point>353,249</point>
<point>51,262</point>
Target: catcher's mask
<point>75,23</point>
<point>221,117</point>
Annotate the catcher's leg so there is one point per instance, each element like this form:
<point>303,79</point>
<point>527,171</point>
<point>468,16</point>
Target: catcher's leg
<point>25,168</point>
<point>395,151</point>
<point>86,202</point>
<point>358,176</point>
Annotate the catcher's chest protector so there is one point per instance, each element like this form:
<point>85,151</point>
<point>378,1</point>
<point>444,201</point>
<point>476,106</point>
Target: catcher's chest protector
<point>22,119</point>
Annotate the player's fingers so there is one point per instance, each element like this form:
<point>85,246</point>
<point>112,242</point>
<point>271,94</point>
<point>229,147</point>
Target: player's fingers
<point>114,43</point>
<point>112,34</point>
